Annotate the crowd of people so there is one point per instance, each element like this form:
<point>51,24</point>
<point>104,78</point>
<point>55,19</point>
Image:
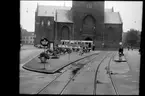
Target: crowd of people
<point>57,50</point>
<point>62,50</point>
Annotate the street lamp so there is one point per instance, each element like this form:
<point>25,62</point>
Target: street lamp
<point>120,43</point>
<point>103,44</point>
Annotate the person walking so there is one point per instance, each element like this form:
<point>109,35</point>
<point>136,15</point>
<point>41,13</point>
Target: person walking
<point>120,51</point>
<point>128,48</point>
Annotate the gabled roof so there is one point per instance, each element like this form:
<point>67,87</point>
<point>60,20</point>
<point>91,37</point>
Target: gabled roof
<point>112,18</point>
<point>50,10</point>
<point>108,10</point>
<point>64,16</point>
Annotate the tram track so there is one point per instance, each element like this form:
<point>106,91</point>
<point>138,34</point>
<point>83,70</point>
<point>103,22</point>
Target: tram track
<point>110,57</point>
<point>109,73</point>
<point>82,70</point>
<point>76,75</point>
<point>112,81</point>
<point>64,71</point>
<point>96,74</point>
<point>111,78</point>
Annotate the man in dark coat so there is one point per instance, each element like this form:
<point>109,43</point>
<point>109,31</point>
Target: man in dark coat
<point>121,51</point>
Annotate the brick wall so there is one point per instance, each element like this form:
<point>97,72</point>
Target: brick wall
<point>45,30</point>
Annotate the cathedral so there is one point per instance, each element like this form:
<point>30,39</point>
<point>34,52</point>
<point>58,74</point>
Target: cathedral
<point>85,20</point>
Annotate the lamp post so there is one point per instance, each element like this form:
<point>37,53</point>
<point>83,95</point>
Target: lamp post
<point>120,43</point>
<point>69,50</point>
<point>103,45</point>
<point>56,26</point>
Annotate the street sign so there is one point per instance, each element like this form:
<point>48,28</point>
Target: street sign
<point>44,42</point>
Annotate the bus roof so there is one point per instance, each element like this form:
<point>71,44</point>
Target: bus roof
<point>75,41</point>
<point>86,41</point>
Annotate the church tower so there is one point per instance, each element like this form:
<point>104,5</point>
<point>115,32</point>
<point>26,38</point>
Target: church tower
<point>88,18</point>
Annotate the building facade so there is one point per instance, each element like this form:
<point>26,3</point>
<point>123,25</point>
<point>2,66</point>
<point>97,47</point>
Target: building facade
<point>27,38</point>
<point>85,20</point>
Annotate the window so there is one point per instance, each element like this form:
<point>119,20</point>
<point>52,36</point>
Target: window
<point>89,5</point>
<point>48,23</point>
<point>62,43</point>
<point>109,27</point>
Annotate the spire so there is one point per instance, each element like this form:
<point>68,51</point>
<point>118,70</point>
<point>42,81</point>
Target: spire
<point>112,9</point>
<point>27,10</point>
<point>64,4</point>
<point>37,7</point>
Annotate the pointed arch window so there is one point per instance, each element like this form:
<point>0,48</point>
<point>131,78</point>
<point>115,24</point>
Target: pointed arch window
<point>89,5</point>
<point>42,23</point>
<point>48,23</point>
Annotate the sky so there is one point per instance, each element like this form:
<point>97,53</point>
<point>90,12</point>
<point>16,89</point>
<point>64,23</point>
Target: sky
<point>130,11</point>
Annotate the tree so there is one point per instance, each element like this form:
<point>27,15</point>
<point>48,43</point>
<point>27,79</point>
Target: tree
<point>132,37</point>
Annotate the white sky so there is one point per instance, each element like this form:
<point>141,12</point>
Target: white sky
<point>130,11</point>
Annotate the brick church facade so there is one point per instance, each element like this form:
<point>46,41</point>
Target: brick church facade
<point>85,20</point>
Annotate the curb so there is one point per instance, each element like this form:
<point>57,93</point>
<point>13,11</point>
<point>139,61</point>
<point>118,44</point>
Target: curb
<point>56,70</point>
<point>22,64</point>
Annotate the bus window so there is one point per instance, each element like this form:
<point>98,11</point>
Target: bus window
<point>62,43</point>
<point>89,45</point>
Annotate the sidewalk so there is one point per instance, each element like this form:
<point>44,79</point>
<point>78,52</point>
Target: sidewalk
<point>119,67</point>
<point>25,47</point>
<point>54,65</point>
<point>126,74</point>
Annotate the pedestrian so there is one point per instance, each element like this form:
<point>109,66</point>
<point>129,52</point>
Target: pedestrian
<point>121,51</point>
<point>93,47</point>
<point>128,48</point>
<point>132,48</point>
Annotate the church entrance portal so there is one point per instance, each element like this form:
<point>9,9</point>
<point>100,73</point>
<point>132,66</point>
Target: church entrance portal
<point>88,39</point>
<point>89,43</point>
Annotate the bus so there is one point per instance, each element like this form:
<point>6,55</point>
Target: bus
<point>77,43</point>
